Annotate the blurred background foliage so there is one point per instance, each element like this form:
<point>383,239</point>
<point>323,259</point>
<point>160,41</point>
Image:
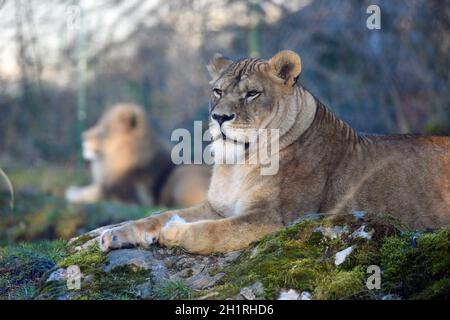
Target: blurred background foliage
<point>57,73</point>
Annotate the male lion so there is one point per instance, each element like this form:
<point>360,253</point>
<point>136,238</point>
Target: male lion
<point>324,166</point>
<point>129,163</point>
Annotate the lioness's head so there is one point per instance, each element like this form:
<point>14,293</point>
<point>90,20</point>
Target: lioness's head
<point>116,125</point>
<point>252,94</point>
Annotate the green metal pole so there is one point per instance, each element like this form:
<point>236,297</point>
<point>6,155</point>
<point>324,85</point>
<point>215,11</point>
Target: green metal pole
<point>81,96</point>
<point>254,35</point>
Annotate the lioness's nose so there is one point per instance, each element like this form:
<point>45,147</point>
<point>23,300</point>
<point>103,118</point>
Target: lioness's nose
<point>221,118</point>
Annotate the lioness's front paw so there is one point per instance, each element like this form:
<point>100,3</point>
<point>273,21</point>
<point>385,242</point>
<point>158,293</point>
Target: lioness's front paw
<point>109,240</point>
<point>133,234</point>
<point>172,234</point>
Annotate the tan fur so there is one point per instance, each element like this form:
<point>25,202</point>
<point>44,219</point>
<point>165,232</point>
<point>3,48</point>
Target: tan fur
<point>128,162</point>
<point>325,166</point>
<point>186,184</point>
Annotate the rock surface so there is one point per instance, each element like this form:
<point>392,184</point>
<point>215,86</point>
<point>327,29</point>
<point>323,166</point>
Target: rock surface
<point>143,259</point>
<point>290,294</point>
<point>165,267</point>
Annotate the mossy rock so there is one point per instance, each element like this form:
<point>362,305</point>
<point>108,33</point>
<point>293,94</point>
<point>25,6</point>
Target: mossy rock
<point>298,257</point>
<point>95,283</point>
<point>414,265</point>
<point>89,261</point>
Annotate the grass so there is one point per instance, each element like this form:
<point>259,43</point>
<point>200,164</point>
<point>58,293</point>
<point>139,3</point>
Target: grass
<point>23,266</point>
<point>172,290</point>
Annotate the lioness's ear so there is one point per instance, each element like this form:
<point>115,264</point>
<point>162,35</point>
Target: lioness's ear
<point>286,65</point>
<point>217,66</point>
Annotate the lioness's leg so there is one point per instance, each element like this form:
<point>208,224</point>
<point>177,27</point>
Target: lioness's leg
<point>97,232</point>
<point>88,194</point>
<point>145,232</point>
<point>222,235</point>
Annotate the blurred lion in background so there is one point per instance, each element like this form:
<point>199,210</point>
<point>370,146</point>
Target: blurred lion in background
<point>129,163</point>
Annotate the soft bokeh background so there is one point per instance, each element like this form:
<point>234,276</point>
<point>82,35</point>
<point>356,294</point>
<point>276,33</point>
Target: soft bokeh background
<point>58,71</point>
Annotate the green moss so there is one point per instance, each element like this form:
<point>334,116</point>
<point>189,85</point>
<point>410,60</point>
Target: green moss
<point>341,285</point>
<point>365,253</point>
<point>302,258</point>
<point>291,258</point>
<point>417,270</point>
<point>434,251</point>
<point>89,260</point>
<point>394,256</point>
<point>119,284</point>
<point>224,291</point>
<point>436,290</point>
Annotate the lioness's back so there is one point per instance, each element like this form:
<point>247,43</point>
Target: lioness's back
<point>406,176</point>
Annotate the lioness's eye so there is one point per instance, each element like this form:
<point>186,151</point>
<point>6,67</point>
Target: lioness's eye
<point>217,92</point>
<point>252,94</point>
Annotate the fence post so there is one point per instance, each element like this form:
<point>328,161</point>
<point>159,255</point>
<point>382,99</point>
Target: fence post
<point>81,88</point>
<point>254,35</point>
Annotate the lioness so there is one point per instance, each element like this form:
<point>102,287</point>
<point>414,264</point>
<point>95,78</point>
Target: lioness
<point>325,166</point>
<point>128,162</point>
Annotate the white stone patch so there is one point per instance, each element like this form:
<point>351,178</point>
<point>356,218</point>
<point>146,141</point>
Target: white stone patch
<point>175,219</point>
<point>291,294</point>
<point>342,255</point>
<point>305,295</point>
<point>247,293</point>
<point>361,233</point>
<point>334,232</point>
<point>254,252</point>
